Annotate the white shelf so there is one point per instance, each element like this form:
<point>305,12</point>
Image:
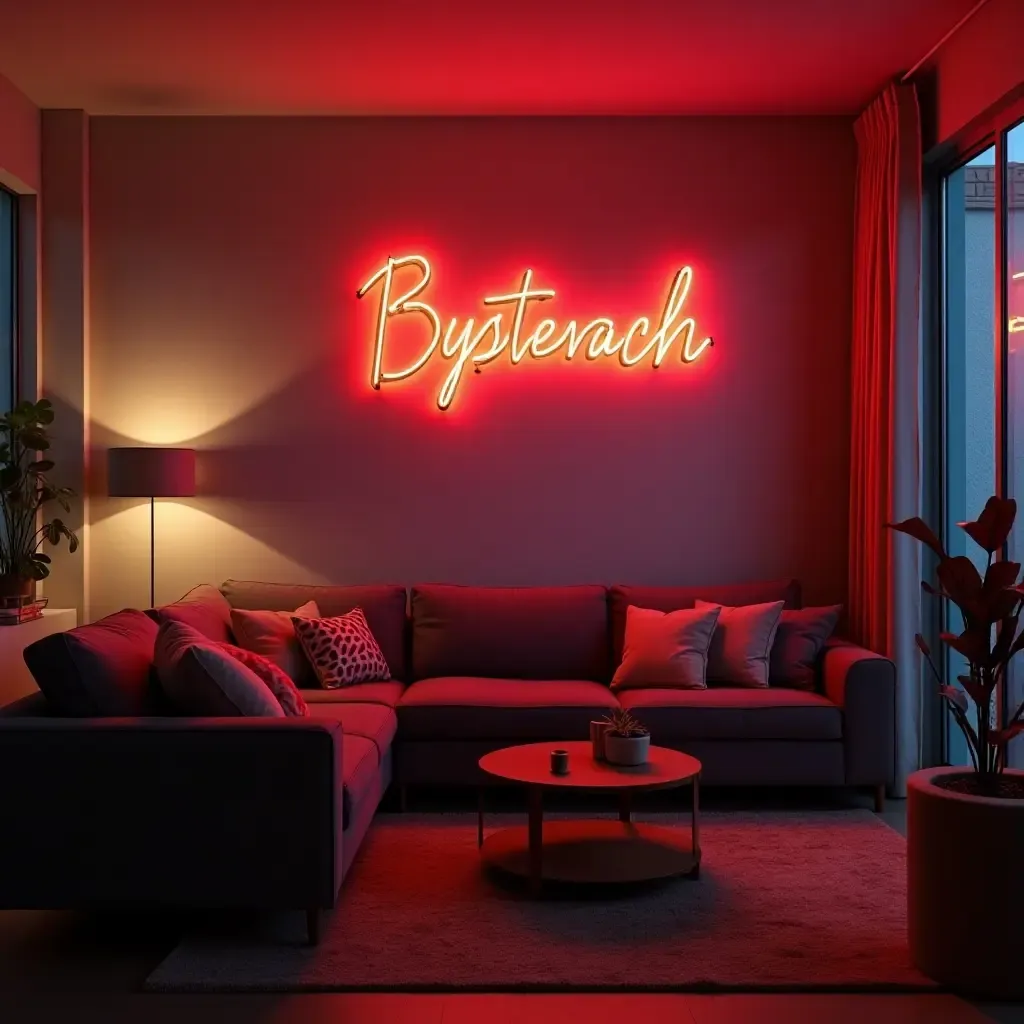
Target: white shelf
<point>15,679</point>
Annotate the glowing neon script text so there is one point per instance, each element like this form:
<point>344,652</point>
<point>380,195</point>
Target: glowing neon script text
<point>466,345</point>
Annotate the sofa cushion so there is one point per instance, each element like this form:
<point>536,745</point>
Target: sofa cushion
<point>742,644</point>
<point>102,669</point>
<point>371,721</point>
<point>384,607</point>
<point>342,650</point>
<point>799,641</point>
<point>272,634</point>
<point>670,599</point>
<point>277,681</point>
<point>201,678</point>
<point>360,766</point>
<point>510,632</point>
<point>387,694</point>
<point>203,608</point>
<point>665,648</point>
<point>467,707</point>
<point>735,713</point>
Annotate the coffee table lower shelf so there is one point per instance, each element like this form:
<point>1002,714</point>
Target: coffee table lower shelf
<point>594,852</point>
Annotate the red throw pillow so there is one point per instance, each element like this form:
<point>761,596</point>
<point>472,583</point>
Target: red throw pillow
<point>342,650</point>
<point>276,679</point>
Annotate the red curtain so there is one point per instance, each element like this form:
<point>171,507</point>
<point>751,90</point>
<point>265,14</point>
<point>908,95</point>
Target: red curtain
<point>884,579</point>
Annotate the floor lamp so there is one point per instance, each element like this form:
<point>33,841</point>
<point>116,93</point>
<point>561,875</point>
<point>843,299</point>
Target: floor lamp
<point>152,473</point>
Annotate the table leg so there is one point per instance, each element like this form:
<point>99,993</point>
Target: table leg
<point>625,807</point>
<point>536,838</point>
<point>696,826</point>
<point>479,816</point>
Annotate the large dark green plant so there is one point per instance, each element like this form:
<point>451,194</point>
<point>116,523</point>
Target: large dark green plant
<point>25,491</point>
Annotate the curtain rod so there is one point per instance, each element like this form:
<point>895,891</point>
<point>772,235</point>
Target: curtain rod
<point>956,28</point>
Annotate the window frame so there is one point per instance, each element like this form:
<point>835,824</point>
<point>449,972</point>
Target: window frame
<point>16,283</point>
<point>990,129</point>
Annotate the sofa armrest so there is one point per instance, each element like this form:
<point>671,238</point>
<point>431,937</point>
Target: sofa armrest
<point>863,684</point>
<point>225,812</point>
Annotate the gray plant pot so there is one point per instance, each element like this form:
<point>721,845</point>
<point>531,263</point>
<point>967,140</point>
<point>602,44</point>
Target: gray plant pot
<point>626,751</point>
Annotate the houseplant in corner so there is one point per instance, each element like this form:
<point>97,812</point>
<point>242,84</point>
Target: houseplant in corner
<point>965,827</point>
<point>626,741</point>
<point>25,492</point>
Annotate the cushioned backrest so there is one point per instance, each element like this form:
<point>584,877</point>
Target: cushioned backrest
<point>103,669</point>
<point>203,608</point>
<point>383,606</point>
<point>510,632</point>
<point>670,599</point>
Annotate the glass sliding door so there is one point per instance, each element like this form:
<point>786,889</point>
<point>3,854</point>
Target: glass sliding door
<point>1013,309</point>
<point>970,377</point>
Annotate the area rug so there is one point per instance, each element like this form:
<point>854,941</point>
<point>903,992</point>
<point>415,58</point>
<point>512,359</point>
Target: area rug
<point>785,901</point>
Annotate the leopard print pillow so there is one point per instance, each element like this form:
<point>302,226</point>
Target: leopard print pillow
<point>342,650</point>
<point>275,678</point>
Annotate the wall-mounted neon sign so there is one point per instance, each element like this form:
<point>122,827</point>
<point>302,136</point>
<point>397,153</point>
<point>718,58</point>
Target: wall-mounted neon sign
<point>473,346</point>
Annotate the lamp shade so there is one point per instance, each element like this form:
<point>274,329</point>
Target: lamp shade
<point>151,472</point>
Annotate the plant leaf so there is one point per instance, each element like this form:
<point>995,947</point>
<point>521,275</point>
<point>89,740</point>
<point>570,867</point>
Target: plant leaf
<point>974,689</point>
<point>960,579</point>
<point>993,526</point>
<point>40,466</point>
<point>917,528</point>
<point>1000,737</point>
<point>955,696</point>
<point>997,599</point>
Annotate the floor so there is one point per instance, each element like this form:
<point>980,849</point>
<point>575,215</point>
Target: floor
<point>57,966</point>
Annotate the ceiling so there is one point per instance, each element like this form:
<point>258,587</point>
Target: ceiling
<point>464,56</point>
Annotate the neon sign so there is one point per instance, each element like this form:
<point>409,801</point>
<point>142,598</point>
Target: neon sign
<point>474,346</point>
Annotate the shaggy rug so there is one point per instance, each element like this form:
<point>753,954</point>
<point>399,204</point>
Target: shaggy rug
<point>800,901</point>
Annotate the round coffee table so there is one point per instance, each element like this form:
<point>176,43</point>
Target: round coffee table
<point>591,851</point>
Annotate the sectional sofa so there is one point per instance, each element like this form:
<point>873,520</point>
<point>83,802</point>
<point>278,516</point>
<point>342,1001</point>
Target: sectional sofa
<point>149,808</point>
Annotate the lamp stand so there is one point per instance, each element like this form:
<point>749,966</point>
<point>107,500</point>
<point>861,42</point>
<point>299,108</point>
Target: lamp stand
<point>152,552</point>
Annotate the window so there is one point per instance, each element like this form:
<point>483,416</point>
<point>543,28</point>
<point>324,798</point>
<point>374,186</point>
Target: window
<point>1013,310</point>
<point>8,298</point>
<point>970,380</point>
<point>979,276</point>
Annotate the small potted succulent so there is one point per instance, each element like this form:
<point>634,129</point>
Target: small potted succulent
<point>626,741</point>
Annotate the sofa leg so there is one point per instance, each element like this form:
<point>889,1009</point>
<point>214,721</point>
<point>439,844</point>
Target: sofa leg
<point>879,799</point>
<point>313,926</point>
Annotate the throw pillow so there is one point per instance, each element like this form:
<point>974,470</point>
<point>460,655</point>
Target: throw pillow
<point>342,650</point>
<point>201,678</point>
<point>665,648</point>
<point>274,677</point>
<point>103,669</point>
<point>799,640</point>
<point>203,608</point>
<point>273,635</point>
<point>742,644</point>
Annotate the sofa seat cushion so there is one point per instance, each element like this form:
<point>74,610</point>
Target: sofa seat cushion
<point>360,767</point>
<point>473,708</point>
<point>387,694</point>
<point>735,713</point>
<point>373,722</point>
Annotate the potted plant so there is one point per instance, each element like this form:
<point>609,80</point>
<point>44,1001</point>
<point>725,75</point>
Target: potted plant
<point>965,827</point>
<point>24,492</point>
<point>626,741</point>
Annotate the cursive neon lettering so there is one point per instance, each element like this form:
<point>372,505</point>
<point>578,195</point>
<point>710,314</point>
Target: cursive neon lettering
<point>463,346</point>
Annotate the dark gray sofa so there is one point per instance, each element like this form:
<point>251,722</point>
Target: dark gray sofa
<point>270,813</point>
